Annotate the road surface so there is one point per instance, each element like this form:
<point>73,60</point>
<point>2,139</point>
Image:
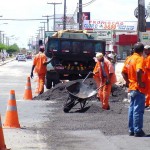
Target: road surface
<point>44,125</point>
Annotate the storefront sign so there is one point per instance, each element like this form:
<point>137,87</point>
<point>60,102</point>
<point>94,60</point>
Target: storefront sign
<point>103,34</point>
<point>145,38</point>
<point>110,25</point>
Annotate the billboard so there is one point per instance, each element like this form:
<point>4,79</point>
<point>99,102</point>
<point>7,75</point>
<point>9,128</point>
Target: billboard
<point>85,16</point>
<point>110,25</point>
<point>70,21</point>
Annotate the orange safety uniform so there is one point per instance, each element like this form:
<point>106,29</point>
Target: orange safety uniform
<point>96,74</point>
<point>134,63</point>
<point>147,70</point>
<point>38,62</point>
<point>105,91</point>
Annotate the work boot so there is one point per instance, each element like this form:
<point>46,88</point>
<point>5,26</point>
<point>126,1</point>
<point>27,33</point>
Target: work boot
<point>131,133</point>
<point>106,108</point>
<point>139,134</point>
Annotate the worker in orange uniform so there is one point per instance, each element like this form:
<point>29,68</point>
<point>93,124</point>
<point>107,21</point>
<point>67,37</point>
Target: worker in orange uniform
<point>147,67</point>
<point>133,73</point>
<point>107,78</point>
<point>39,63</point>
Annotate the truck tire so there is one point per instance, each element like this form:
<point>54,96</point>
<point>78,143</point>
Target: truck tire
<point>48,84</point>
<point>51,77</point>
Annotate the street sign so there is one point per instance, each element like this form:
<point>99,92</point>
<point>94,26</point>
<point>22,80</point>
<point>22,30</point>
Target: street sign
<point>136,13</point>
<point>145,38</point>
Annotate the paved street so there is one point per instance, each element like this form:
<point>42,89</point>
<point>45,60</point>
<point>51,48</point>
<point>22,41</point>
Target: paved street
<point>44,125</point>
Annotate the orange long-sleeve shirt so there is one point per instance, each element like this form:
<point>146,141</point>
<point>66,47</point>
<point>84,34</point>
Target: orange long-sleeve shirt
<point>39,61</point>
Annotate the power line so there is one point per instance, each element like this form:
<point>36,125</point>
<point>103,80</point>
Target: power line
<point>86,4</point>
<point>23,19</point>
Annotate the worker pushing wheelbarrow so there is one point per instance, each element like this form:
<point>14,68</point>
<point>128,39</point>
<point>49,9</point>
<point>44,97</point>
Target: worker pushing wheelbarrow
<point>79,93</point>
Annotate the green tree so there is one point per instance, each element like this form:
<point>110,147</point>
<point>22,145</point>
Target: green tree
<point>2,47</point>
<point>12,49</point>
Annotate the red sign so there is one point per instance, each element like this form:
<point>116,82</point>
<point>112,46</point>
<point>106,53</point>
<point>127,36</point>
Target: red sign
<point>127,39</point>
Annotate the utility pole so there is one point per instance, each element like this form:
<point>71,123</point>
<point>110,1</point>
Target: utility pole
<point>54,12</point>
<point>141,16</point>
<point>1,36</point>
<point>64,20</point>
<point>44,30</point>
<point>80,15</point>
<point>47,21</point>
<point>44,25</point>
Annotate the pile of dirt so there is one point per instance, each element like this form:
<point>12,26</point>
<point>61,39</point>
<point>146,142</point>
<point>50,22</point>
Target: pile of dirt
<point>59,91</point>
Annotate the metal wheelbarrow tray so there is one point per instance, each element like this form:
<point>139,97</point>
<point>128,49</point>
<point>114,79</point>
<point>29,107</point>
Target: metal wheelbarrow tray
<point>78,93</point>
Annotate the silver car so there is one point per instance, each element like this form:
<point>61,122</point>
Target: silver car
<point>21,57</point>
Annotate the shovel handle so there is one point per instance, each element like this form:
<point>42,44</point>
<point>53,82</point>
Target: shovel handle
<point>100,87</point>
<point>87,76</point>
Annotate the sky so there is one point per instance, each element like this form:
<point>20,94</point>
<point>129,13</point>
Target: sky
<point>21,32</point>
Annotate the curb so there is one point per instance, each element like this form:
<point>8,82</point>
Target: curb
<point>7,61</point>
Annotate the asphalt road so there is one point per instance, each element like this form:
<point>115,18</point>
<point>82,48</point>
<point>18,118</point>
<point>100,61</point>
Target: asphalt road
<point>44,125</point>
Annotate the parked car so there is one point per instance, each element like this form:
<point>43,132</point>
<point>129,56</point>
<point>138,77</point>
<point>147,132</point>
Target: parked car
<point>21,57</point>
<point>29,56</point>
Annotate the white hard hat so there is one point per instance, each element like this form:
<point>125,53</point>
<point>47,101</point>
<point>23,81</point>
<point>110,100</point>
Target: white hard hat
<point>110,56</point>
<point>99,55</point>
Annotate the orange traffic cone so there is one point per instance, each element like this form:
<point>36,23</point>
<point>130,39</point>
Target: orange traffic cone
<point>2,142</point>
<point>11,117</point>
<point>28,90</point>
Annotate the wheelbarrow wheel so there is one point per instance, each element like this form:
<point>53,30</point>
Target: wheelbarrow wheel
<point>69,104</point>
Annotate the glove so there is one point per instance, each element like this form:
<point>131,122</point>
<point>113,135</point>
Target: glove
<point>107,82</point>
<point>31,75</point>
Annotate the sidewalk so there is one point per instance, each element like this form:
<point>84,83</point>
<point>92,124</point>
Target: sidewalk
<point>7,60</point>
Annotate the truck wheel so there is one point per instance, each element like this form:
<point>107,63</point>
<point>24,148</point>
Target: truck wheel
<point>48,84</point>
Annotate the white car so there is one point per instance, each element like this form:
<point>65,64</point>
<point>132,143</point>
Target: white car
<point>21,58</point>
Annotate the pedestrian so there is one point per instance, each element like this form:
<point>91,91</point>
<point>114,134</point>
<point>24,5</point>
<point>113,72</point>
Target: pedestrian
<point>107,78</point>
<point>133,73</point>
<point>147,69</point>
<point>39,64</point>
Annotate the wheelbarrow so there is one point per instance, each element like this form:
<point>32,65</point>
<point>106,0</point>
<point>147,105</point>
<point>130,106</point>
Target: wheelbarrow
<point>79,93</point>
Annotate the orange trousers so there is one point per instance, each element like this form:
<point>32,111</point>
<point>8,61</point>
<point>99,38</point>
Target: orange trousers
<point>147,100</point>
<point>104,94</point>
<point>97,80</point>
<point>41,82</point>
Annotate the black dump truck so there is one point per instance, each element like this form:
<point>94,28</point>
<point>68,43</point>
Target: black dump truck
<point>72,53</point>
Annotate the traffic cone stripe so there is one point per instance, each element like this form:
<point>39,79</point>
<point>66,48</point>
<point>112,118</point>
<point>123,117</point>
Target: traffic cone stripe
<point>12,97</point>
<point>27,88</point>
<point>11,108</point>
